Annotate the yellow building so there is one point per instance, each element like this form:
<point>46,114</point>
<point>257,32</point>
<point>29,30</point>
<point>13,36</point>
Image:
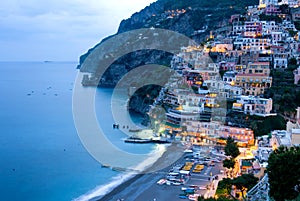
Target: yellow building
<point>255,78</point>
<point>244,136</point>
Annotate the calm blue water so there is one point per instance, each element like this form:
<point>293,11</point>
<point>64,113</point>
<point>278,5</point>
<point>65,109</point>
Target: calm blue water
<point>41,156</point>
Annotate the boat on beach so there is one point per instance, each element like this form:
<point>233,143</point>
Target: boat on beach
<point>137,140</point>
<point>159,140</point>
<point>119,169</point>
<point>151,140</point>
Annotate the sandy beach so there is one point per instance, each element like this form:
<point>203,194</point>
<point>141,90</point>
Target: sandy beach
<point>142,186</point>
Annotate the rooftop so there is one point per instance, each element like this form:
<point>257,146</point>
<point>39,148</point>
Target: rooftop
<point>296,131</point>
<point>253,98</point>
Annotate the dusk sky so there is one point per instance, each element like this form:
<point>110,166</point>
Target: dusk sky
<point>59,30</point>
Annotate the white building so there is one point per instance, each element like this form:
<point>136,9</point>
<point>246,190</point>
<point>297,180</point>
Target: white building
<point>216,129</point>
<point>291,3</point>
<point>280,138</point>
<point>179,118</point>
<point>254,105</point>
<point>291,47</point>
<point>253,44</point>
<point>276,37</point>
<point>286,24</point>
<point>238,29</point>
<point>265,3</point>
<point>268,27</point>
<point>210,129</point>
<point>232,92</point>
<point>295,129</point>
<point>295,138</point>
<point>280,60</point>
<point>296,75</point>
<point>253,28</point>
<point>229,77</point>
<point>290,125</point>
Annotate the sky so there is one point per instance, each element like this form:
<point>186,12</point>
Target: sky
<point>59,30</point>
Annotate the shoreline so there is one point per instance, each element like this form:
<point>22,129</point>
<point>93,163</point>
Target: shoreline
<point>135,186</point>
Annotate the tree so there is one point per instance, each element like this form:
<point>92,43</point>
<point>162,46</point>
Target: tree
<point>285,98</point>
<point>265,17</point>
<point>229,163</point>
<point>225,183</point>
<point>231,148</point>
<point>292,33</point>
<point>201,198</point>
<point>245,182</point>
<point>292,64</point>
<point>285,9</point>
<point>284,173</point>
<point>268,124</point>
<point>297,25</point>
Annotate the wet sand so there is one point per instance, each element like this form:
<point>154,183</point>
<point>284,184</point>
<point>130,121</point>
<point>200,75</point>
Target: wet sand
<point>143,187</point>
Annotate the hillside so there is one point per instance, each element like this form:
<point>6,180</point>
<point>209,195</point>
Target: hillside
<point>192,18</point>
<point>185,17</point>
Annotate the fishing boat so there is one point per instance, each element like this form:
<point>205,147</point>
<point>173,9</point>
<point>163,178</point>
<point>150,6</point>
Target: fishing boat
<point>137,140</point>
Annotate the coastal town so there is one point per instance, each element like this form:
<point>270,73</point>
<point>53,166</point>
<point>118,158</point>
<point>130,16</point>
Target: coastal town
<point>221,85</point>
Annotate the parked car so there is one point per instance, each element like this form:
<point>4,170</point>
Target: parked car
<point>202,187</point>
<point>176,183</point>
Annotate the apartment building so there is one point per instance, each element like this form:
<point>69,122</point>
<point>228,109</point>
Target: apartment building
<point>254,105</point>
<point>255,79</point>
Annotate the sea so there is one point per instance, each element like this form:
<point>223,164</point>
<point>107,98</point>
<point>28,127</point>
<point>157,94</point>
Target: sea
<point>41,154</point>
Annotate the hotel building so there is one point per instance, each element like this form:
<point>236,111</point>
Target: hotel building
<point>254,105</point>
<point>255,79</point>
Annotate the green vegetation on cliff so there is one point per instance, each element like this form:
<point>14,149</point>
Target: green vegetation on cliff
<point>259,125</point>
<point>285,94</point>
<point>235,4</point>
<point>197,14</point>
<point>186,16</point>
<point>284,173</point>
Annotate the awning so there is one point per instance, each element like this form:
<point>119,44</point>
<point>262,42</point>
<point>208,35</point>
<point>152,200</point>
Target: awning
<point>184,172</point>
<point>172,125</point>
<point>256,166</point>
<point>246,163</point>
